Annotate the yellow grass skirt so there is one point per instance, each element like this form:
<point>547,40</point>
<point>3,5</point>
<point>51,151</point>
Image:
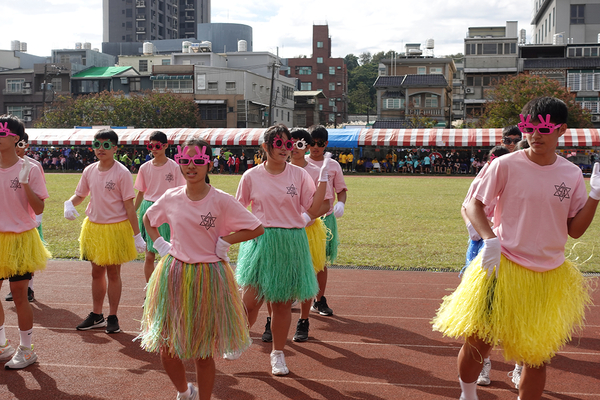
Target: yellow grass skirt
<point>317,242</point>
<point>530,314</point>
<point>22,253</point>
<point>107,244</point>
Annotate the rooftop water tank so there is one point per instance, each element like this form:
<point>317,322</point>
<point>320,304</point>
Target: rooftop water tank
<point>15,45</point>
<point>205,46</point>
<point>185,46</point>
<point>78,46</point>
<point>24,47</point>
<point>87,46</point>
<point>429,44</point>
<point>148,48</point>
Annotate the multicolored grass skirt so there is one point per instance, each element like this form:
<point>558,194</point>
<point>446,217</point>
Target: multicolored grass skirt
<point>278,265</point>
<point>107,244</point>
<point>317,242</point>
<point>22,253</point>
<point>530,314</point>
<point>193,311</point>
<point>333,240</point>
<point>164,229</point>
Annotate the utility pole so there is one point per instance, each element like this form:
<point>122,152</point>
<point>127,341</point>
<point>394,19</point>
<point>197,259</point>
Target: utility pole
<point>275,65</point>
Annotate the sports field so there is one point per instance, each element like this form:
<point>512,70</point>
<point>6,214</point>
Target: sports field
<point>396,222</point>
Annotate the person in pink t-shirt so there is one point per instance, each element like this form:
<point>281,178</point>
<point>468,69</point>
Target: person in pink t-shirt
<point>520,291</point>
<point>110,235</point>
<point>193,309</point>
<point>153,180</point>
<point>21,199</point>
<point>277,266</point>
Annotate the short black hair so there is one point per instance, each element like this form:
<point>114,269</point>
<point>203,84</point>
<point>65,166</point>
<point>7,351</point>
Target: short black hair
<point>299,133</point>
<point>25,137</point>
<point>14,124</point>
<point>558,110</point>
<point>159,137</point>
<point>499,151</point>
<point>109,134</point>
<point>511,130</point>
<point>318,132</point>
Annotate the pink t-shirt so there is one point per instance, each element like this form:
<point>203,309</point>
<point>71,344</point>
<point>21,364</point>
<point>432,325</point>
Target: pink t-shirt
<point>277,200</point>
<point>336,177</point>
<point>534,204</point>
<point>314,173</point>
<point>107,190</point>
<point>16,215</point>
<point>37,164</point>
<point>489,209</point>
<point>197,225</point>
<point>155,181</point>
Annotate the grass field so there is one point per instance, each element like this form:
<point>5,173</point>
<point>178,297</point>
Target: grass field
<point>398,222</point>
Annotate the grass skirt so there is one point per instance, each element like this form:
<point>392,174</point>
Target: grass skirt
<point>107,244</point>
<point>472,251</point>
<point>164,229</point>
<point>39,229</point>
<point>278,265</point>
<point>317,241</point>
<point>530,314</point>
<point>21,253</point>
<point>193,310</point>
<point>333,239</point>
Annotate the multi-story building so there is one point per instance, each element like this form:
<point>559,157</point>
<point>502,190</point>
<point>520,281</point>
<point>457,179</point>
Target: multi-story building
<point>142,20</point>
<point>566,21</point>
<point>490,55</point>
<point>322,72</point>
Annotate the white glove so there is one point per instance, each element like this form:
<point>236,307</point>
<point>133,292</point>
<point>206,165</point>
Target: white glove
<point>140,245</point>
<point>473,233</point>
<point>338,209</point>
<point>595,182</point>
<point>490,255</point>
<point>70,211</point>
<point>221,249</point>
<point>323,173</point>
<point>24,172</point>
<point>162,246</point>
<point>38,219</point>
<point>306,218</point>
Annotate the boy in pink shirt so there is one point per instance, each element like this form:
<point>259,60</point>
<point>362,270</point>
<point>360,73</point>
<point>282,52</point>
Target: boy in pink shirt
<point>21,199</point>
<point>110,235</point>
<point>541,199</point>
<point>153,180</point>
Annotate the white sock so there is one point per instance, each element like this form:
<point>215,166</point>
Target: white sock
<point>186,393</point>
<point>31,283</point>
<point>469,390</point>
<point>2,336</point>
<point>26,338</point>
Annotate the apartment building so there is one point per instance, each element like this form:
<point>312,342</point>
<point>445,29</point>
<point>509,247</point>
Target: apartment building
<point>566,21</point>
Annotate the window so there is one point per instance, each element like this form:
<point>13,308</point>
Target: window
<point>489,48</point>
<point>213,85</point>
<point>331,102</point>
<point>166,61</point>
<point>57,84</point>
<point>65,59</point>
<point>331,70</point>
<point>143,66</point>
<point>305,85</point>
<point>583,80</point>
<point>331,117</point>
<point>416,101</point>
<point>319,76</point>
<point>304,70</point>
<point>421,70</point>
<point>320,107</point>
<point>431,101</point>
<point>393,104</point>
<point>230,85</point>
<point>332,86</point>
<point>435,70</point>
<point>577,14</point>
<point>14,85</point>
<point>319,60</point>
<point>16,111</point>
<point>212,112</point>
<point>319,45</point>
<point>135,84</point>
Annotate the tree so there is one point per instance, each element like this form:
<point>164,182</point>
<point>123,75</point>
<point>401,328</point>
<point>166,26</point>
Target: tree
<point>351,61</point>
<point>511,94</point>
<point>145,110</point>
<point>364,58</point>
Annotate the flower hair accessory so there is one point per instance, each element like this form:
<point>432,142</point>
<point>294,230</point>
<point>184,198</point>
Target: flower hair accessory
<point>200,158</point>
<point>4,131</point>
<point>545,127</point>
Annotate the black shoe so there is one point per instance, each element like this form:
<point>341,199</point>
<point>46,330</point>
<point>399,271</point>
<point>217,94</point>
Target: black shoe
<point>112,326</point>
<point>321,307</point>
<point>30,295</point>
<point>301,331</point>
<point>9,297</point>
<point>267,336</point>
<point>93,320</point>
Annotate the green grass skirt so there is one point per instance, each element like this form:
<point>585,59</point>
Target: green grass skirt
<point>164,229</point>
<point>333,240</point>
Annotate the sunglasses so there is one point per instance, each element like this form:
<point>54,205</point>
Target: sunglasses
<point>321,143</point>
<point>508,140</point>
<point>4,131</point>
<point>107,145</point>
<point>279,143</point>
<point>301,144</point>
<point>544,127</point>
<point>21,144</point>
<point>200,158</point>
<point>156,146</point>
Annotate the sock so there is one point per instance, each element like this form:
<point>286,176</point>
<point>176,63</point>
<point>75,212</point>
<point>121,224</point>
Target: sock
<point>31,283</point>
<point>186,394</point>
<point>2,336</point>
<point>26,338</point>
<point>469,390</point>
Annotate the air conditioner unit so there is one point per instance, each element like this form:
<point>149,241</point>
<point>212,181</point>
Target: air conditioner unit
<point>469,90</point>
<point>595,118</point>
<point>26,84</point>
<point>27,91</point>
<point>27,112</point>
<point>27,119</point>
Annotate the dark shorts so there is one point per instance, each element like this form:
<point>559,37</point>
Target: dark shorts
<point>17,278</point>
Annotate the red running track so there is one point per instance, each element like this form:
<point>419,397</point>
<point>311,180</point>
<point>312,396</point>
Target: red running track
<point>378,345</point>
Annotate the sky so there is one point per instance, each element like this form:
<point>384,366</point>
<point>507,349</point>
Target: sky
<point>355,26</point>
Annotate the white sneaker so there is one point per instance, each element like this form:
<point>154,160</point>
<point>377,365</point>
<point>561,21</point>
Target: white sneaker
<point>484,375</point>
<point>6,351</point>
<point>278,366</point>
<point>22,358</point>
<point>515,375</point>
<point>234,355</point>
<point>193,394</point>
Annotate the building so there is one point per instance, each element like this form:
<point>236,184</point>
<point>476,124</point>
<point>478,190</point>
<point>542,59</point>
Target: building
<point>226,37</point>
<point>324,73</point>
<point>566,21</point>
<point>142,20</point>
<point>490,56</point>
<point>100,79</point>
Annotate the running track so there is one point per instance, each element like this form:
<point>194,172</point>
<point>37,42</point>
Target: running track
<point>378,345</point>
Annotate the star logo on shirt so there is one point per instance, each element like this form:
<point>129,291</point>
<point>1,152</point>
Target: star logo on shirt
<point>208,221</point>
<point>110,185</point>
<point>169,177</point>
<point>14,184</point>
<point>292,190</point>
<point>562,191</point>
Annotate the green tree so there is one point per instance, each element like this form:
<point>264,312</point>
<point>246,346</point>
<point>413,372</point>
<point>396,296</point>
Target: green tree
<point>510,95</point>
<point>351,62</point>
<point>364,58</point>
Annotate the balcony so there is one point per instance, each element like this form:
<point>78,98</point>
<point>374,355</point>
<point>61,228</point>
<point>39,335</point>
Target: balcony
<point>179,91</point>
<point>140,29</point>
<point>21,91</point>
<point>140,17</point>
<point>140,3</point>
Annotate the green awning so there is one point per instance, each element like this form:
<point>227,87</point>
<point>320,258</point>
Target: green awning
<point>101,72</point>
